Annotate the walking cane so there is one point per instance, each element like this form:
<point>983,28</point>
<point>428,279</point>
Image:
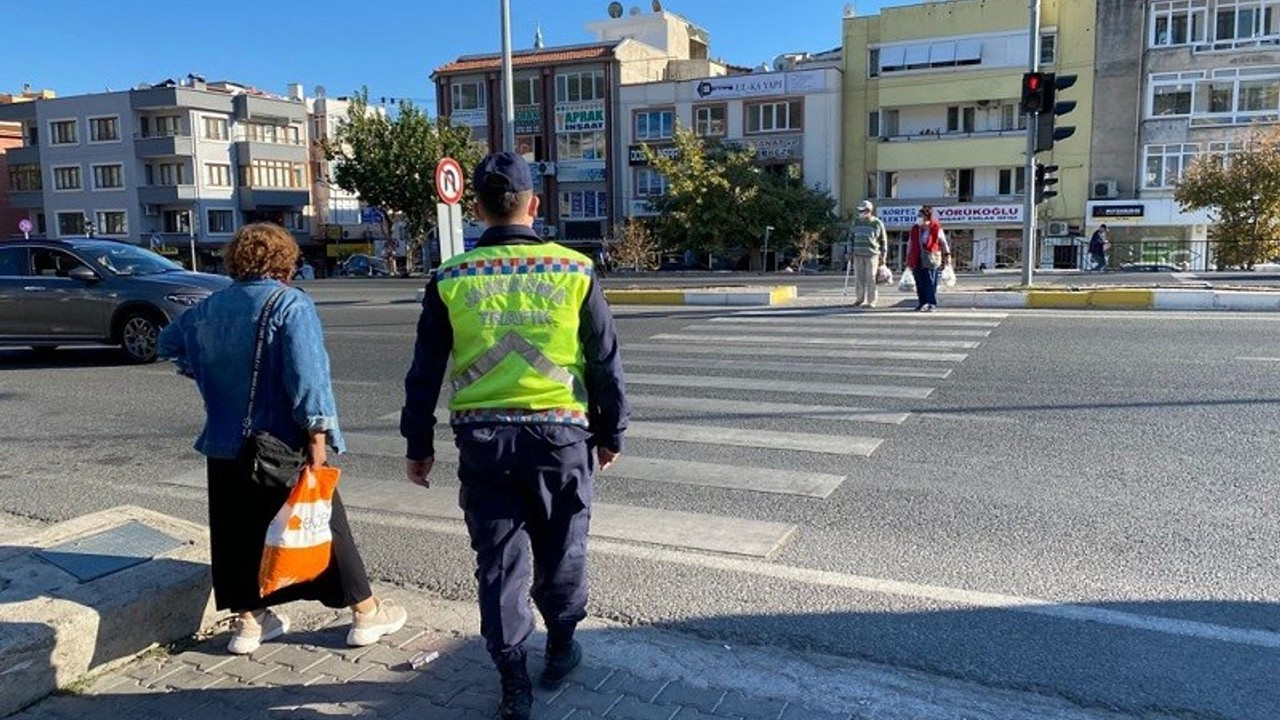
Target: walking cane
<point>847,265</point>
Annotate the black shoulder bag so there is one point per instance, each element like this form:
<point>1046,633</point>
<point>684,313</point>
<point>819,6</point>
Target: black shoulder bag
<point>271,462</point>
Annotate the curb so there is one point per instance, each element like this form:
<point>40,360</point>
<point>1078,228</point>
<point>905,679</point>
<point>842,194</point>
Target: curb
<point>704,296</point>
<point>1118,299</point>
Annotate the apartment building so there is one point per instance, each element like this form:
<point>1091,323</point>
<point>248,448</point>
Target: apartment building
<point>167,165</point>
<point>339,219</point>
<point>931,95</point>
<point>568,115</point>
<point>1177,79</point>
<point>11,137</point>
<point>791,119</point>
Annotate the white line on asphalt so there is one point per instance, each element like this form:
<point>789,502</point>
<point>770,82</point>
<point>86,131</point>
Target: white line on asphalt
<point>791,352</point>
<point>351,383</point>
<point>787,386</point>
<point>860,319</point>
<point>838,330</point>
<point>886,314</point>
<point>680,472</point>
<point>408,333</point>
<point>669,360</point>
<point>1258,359</point>
<point>772,439</point>
<point>793,340</point>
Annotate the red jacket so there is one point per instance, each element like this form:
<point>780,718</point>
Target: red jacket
<point>933,242</point>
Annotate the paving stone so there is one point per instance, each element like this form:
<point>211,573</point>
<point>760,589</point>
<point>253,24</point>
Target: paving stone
<point>298,658</point>
<point>629,708</point>
<point>590,677</point>
<point>688,713</point>
<point>384,655</point>
<point>206,660</point>
<point>150,669</point>
<point>392,679</point>
<point>579,698</point>
<point>685,695</point>
<point>799,712</point>
<point>188,678</point>
<point>282,676</point>
<point>628,684</point>
<point>584,715</point>
<point>736,704</point>
<point>473,699</point>
<point>246,668</point>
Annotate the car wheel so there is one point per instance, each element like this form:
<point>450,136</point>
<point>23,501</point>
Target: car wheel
<point>138,337</point>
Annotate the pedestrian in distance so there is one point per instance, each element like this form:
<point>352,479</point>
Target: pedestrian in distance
<point>216,344</point>
<point>927,254</point>
<point>538,406</point>
<point>870,248</point>
<point>1099,244</point>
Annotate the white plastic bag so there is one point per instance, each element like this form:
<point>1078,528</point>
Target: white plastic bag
<point>884,276</point>
<point>948,276</point>
<point>908,281</point>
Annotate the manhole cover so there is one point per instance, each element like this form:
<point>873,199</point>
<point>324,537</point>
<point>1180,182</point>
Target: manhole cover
<point>110,551</point>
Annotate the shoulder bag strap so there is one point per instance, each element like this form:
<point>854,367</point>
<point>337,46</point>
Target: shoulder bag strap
<point>258,347</point>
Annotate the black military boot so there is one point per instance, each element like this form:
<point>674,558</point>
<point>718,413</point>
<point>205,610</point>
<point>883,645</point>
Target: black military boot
<point>517,690</point>
<point>563,655</point>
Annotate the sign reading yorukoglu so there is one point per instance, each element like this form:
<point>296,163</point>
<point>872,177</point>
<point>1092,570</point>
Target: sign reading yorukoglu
<point>902,215</point>
<point>580,117</point>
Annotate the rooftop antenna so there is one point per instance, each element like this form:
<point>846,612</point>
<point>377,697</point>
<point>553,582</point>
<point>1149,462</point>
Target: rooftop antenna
<point>538,44</point>
<point>615,10</point>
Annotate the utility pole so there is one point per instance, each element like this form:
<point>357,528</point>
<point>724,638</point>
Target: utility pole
<point>1028,183</point>
<point>508,83</point>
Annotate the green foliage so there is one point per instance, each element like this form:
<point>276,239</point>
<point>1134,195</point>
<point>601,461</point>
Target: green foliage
<point>633,246</point>
<point>1242,191</point>
<point>390,161</point>
<point>718,199</point>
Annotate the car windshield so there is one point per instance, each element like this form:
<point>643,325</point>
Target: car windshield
<point>131,260</point>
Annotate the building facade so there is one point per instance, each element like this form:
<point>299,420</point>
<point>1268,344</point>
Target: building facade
<point>1177,79</point>
<point>931,116</point>
<point>568,116</point>
<point>177,165</point>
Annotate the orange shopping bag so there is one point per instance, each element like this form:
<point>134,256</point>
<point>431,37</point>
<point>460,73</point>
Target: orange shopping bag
<point>299,541</point>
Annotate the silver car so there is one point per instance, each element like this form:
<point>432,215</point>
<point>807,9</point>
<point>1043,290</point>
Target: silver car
<point>93,291</point>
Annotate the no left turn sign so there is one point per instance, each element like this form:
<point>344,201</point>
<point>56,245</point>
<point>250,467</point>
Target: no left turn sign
<point>449,181</point>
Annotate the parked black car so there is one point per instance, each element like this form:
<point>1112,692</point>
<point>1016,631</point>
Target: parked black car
<point>93,291</point>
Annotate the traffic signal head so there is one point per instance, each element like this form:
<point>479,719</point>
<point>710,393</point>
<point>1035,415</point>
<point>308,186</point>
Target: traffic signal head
<point>1047,131</point>
<point>1044,182</point>
<point>1036,89</point>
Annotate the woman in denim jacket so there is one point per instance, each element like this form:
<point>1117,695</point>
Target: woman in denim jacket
<point>213,343</point>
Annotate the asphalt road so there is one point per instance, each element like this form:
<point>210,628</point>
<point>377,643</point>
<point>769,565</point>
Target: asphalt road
<point>1083,506</point>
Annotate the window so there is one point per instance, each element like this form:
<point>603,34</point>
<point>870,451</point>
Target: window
<point>1166,163</point>
<point>1258,95</point>
<point>108,177</point>
<point>888,184</point>
<point>150,172</point>
<point>218,175</point>
<point>273,174</point>
<point>655,124</point>
<point>583,205</point>
<point>873,191</point>
<point>873,62</point>
<point>1171,99</point>
<point>168,125</point>
<point>25,178</point>
<point>946,53</point>
<point>775,116</point>
<point>70,224</point>
<point>1048,48</point>
<point>112,222</point>
<point>873,124</point>
<point>1244,20</point>
<point>650,182</point>
<point>467,96</point>
<point>580,87</point>
<point>66,178</point>
<point>173,174</point>
<point>215,128</point>
<point>221,222</point>
<point>104,129</point>
<point>293,135</point>
<point>264,132</point>
<point>13,261</point>
<point>48,262</point>
<point>889,122</point>
<point>293,220</point>
<point>530,147</point>
<point>580,145</point>
<point>961,119</point>
<point>528,90</point>
<point>177,221</point>
<point>63,132</point>
<point>1214,96</point>
<point>710,121</point>
<point>1013,181</point>
<point>1177,23</point>
<point>1011,119</point>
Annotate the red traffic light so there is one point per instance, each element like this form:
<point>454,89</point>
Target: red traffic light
<point>1035,91</point>
<point>1033,82</point>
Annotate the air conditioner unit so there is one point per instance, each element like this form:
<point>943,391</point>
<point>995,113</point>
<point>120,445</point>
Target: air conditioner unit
<point>1057,228</point>
<point>151,210</point>
<point>1105,189</point>
<point>544,168</point>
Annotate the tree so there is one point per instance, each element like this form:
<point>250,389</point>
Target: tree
<point>1242,192</point>
<point>390,162</point>
<point>719,199</point>
<point>633,246</point>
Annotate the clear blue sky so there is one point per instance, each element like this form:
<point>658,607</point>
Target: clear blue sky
<point>391,46</point>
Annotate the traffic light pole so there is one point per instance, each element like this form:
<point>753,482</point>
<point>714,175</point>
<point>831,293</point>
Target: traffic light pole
<point>1029,177</point>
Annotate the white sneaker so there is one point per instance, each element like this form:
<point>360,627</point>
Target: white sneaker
<point>250,634</point>
<point>368,628</point>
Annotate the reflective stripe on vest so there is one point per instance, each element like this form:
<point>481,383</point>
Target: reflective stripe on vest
<point>512,342</point>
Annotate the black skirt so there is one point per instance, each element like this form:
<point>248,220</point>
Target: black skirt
<point>240,511</point>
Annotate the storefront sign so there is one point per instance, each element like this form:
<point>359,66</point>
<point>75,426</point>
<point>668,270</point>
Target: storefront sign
<point>588,171</point>
<point>740,86</point>
<point>641,208</point>
<point>805,81</point>
<point>528,119</point>
<point>1119,211</point>
<point>905,215</point>
<point>580,117</point>
<point>470,118</point>
<point>786,147</point>
<point>635,153</point>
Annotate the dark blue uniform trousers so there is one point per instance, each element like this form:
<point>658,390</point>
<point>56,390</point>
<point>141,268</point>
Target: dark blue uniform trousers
<point>526,491</point>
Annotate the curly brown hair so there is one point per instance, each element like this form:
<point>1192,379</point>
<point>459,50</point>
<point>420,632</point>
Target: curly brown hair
<point>262,250</point>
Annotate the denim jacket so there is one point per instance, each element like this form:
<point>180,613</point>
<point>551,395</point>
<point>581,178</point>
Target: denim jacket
<point>213,343</point>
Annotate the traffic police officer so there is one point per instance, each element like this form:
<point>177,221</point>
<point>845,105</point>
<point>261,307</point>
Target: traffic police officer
<point>537,386</point>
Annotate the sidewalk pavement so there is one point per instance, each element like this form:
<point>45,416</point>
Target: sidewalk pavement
<point>627,674</point>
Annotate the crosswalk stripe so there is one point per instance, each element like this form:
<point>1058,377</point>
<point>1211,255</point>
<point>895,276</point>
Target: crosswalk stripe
<point>839,330</point>
<point>672,360</point>
<point>845,320</point>
<point>667,528</point>
<point>808,340</point>
<point>795,352</point>
<point>774,440</point>
<point>950,313</point>
<point>711,407</point>
<point>681,472</point>
<point>788,386</point>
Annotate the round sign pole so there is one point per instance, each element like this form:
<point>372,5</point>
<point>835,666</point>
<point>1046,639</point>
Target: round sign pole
<point>24,226</point>
<point>449,182</point>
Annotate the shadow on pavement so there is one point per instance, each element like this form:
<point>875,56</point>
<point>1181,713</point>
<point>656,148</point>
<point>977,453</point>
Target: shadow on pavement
<point>15,358</point>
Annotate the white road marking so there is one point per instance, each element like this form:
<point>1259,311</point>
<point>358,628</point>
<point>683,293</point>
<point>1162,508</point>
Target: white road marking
<point>795,340</point>
<point>886,314</point>
<point>793,352</point>
<point>350,383</point>
<point>1258,359</point>
<point>709,407</point>
<point>860,319</point>
<point>679,472</point>
<point>772,439</point>
<point>786,386</point>
<point>838,330</point>
<point>672,360</point>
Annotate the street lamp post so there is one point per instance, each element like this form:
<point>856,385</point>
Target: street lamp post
<point>764,259</point>
<point>508,83</point>
<point>191,237</point>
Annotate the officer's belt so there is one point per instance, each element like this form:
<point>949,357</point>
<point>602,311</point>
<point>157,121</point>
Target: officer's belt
<point>514,342</point>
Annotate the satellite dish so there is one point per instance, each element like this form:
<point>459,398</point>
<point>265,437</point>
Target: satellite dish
<point>657,6</point>
<point>615,10</point>
<point>634,11</point>
<point>319,91</point>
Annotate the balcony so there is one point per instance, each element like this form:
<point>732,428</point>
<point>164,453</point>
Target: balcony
<point>934,153</point>
<point>163,98</point>
<point>256,107</point>
<point>247,151</point>
<point>168,194</point>
<point>168,145</point>
<point>26,198</point>
<point>25,155</point>
<point>257,198</point>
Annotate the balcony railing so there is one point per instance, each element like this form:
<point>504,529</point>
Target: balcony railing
<point>928,135</point>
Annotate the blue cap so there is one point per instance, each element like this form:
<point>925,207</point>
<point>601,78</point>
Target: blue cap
<point>502,172</point>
